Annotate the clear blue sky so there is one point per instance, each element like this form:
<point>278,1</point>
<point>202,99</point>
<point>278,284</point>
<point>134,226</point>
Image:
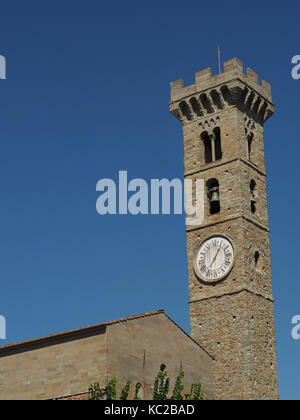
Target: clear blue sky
<point>86,96</point>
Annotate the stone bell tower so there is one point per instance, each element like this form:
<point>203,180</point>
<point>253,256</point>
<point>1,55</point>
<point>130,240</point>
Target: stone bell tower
<point>231,301</point>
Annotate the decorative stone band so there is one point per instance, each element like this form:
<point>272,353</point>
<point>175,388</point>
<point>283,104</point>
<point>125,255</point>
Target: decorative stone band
<point>222,163</point>
<point>228,290</point>
<point>214,94</point>
<point>237,215</point>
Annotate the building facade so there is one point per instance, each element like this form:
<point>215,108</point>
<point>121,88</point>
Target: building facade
<point>64,365</point>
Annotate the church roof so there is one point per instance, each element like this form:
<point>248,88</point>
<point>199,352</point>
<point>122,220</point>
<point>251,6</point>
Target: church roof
<point>97,328</point>
<point>81,333</point>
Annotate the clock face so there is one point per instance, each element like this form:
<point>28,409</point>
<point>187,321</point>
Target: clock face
<point>214,259</point>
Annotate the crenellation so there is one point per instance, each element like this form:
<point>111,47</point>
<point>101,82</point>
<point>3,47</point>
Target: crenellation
<point>177,87</point>
<point>252,75</point>
<point>232,80</point>
<point>266,87</point>
<point>202,76</point>
<point>233,65</point>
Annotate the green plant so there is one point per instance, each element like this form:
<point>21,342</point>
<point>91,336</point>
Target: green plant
<point>111,389</point>
<point>195,393</point>
<point>137,390</point>
<point>95,392</point>
<point>161,389</point>
<point>161,385</point>
<point>178,387</point>
<point>125,391</point>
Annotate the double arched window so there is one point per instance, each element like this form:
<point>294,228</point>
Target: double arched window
<point>212,145</point>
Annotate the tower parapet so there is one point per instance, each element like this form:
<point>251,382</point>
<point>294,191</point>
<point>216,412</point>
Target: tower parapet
<point>210,94</point>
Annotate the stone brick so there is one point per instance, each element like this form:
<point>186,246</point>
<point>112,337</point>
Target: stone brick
<point>63,366</point>
<point>233,318</point>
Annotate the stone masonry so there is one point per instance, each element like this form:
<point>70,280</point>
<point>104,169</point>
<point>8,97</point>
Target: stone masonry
<point>62,366</point>
<point>233,319</point>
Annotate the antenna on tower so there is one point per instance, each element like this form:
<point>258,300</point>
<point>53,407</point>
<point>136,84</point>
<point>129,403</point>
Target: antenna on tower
<point>219,58</point>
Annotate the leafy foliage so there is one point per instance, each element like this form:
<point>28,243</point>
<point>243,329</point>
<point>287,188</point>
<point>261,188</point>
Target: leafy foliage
<point>161,389</point>
<point>195,393</point>
<point>161,385</point>
<point>137,390</point>
<point>95,392</point>
<point>111,389</point>
<point>125,391</point>
<point>178,388</point>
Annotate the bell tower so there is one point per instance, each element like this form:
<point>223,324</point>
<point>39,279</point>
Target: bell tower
<point>230,289</point>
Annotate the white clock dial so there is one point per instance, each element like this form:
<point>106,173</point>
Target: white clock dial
<point>214,258</point>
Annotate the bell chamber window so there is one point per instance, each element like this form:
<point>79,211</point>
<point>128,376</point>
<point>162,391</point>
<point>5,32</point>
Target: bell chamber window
<point>213,195</point>
<point>212,145</point>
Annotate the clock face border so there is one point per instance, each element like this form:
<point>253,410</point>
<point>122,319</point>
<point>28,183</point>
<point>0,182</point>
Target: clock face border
<point>195,266</point>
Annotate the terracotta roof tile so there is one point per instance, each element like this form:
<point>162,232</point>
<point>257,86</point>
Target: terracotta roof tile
<point>91,328</point>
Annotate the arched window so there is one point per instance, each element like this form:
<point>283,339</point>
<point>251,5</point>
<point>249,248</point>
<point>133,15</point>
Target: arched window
<point>213,195</point>
<point>249,144</point>
<point>259,261</point>
<point>252,196</point>
<point>216,98</point>
<point>218,146</point>
<point>185,110</point>
<point>250,134</point>
<point>207,147</point>
<point>212,145</point>
<point>195,106</point>
<point>206,103</point>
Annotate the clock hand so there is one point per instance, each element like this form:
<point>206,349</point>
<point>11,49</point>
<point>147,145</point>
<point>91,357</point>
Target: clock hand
<point>216,255</point>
